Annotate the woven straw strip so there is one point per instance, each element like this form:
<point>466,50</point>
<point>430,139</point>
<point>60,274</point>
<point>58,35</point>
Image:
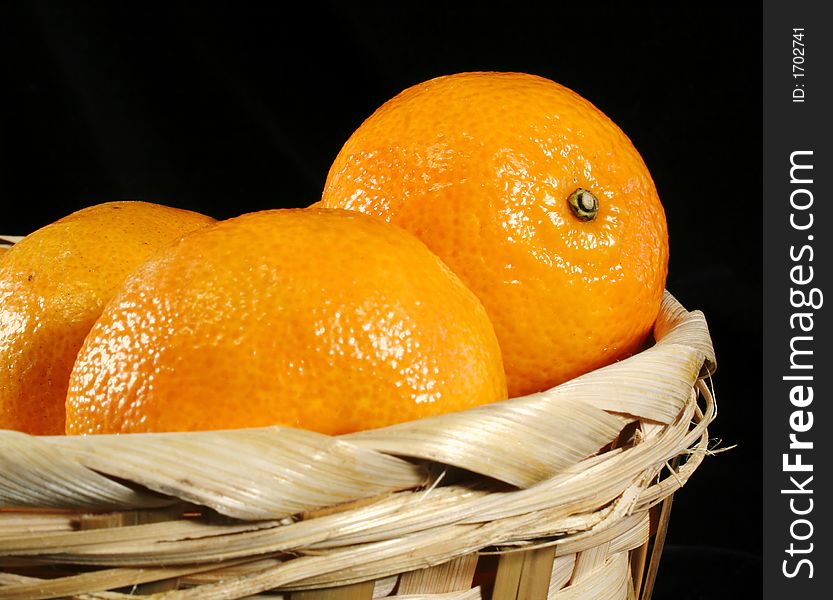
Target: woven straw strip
<point>249,473</point>
<point>610,582</point>
<point>35,474</point>
<point>521,441</point>
<point>676,325</point>
<point>562,571</point>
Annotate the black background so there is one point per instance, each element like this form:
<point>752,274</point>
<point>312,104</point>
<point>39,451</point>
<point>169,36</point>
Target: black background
<point>229,110</point>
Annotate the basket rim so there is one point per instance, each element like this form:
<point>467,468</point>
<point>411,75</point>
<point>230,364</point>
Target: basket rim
<point>583,416</point>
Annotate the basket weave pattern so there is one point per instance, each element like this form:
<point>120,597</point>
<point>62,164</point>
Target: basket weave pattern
<point>557,495</point>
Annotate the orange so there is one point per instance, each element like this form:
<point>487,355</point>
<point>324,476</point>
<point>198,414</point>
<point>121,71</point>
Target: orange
<point>53,286</point>
<point>483,168</point>
<point>318,319</point>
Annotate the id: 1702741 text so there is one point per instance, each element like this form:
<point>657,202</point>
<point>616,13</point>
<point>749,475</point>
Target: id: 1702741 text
<point>798,64</point>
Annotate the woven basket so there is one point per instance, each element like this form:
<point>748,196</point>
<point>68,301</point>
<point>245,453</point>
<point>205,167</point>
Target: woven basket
<point>564,494</point>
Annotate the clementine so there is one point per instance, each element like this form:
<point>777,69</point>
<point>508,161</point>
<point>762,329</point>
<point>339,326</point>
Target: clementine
<point>535,198</point>
<point>326,320</point>
<point>53,286</point>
